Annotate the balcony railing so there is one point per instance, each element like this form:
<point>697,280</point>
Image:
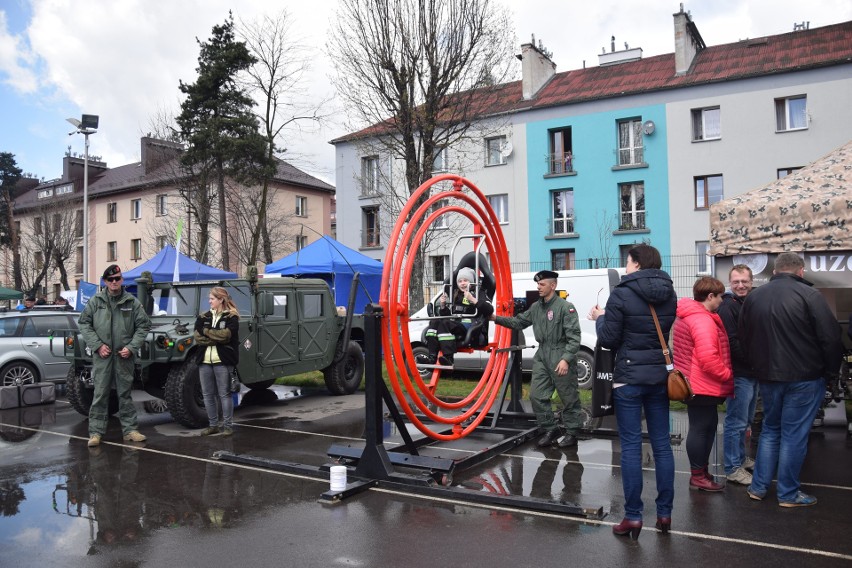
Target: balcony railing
<point>561,163</point>
<point>631,221</point>
<point>370,238</point>
<point>559,227</point>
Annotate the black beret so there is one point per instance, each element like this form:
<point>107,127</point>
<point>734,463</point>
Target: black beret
<point>545,274</point>
<point>30,298</point>
<point>111,270</point>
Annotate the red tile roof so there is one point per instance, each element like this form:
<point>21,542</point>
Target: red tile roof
<point>784,53</point>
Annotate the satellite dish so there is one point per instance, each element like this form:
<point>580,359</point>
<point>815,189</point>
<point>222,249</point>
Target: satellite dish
<point>648,127</point>
<point>507,149</point>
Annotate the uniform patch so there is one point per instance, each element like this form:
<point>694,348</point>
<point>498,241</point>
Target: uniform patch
<point>571,310</point>
<point>549,315</point>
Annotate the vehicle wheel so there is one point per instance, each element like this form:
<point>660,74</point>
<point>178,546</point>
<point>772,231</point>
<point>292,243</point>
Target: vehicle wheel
<point>345,377</point>
<point>585,369</point>
<point>183,395</point>
<point>260,385</point>
<point>421,352</point>
<point>587,421</point>
<point>18,373</point>
<point>80,395</point>
<point>156,406</point>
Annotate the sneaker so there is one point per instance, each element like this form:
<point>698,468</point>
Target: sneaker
<point>740,475</point>
<point>135,436</point>
<point>227,431</point>
<point>95,440</point>
<point>754,496</point>
<point>209,431</point>
<point>801,500</point>
<point>748,463</point>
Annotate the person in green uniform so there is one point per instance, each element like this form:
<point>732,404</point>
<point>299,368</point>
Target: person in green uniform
<point>114,325</point>
<point>557,330</point>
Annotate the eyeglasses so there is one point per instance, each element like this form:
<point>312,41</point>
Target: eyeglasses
<point>113,278</point>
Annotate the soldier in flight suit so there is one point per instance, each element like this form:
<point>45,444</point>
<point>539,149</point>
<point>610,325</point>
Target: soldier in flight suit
<point>557,331</point>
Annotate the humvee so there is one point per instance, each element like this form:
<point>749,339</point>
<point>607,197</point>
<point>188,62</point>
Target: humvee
<point>287,326</point>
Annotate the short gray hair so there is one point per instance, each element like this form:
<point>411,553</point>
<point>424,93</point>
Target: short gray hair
<point>788,262</point>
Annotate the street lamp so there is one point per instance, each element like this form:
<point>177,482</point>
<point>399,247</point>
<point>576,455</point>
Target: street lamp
<point>88,125</point>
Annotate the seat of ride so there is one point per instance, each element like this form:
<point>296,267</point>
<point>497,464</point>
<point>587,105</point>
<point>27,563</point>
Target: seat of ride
<point>476,336</point>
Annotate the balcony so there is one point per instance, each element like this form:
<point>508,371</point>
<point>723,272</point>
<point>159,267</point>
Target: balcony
<point>632,221</point>
<point>561,228</point>
<point>370,238</point>
<point>561,163</point>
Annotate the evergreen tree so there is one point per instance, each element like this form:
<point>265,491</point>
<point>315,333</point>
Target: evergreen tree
<point>10,175</point>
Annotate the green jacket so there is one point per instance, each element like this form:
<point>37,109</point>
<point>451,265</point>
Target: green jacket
<point>556,327</point>
<point>118,323</point>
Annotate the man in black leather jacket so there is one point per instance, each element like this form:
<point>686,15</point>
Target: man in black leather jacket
<point>792,341</point>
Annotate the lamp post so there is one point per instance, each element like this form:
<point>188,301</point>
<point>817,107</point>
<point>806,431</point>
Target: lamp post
<point>87,125</point>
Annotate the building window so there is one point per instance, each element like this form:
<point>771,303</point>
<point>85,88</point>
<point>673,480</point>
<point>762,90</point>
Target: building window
<point>630,149</point>
<point>561,151</point>
<point>78,223</point>
<point>301,241</point>
<point>784,172</point>
<point>161,242</point>
<point>112,212</point>
<point>112,251</point>
<point>632,206</point>
<point>562,212</point>
<point>702,255</point>
<point>562,259</point>
<point>443,221</point>
<point>136,209</point>
<point>706,123</point>
<point>301,206</point>
<point>500,205</point>
<point>37,225</point>
<point>791,113</point>
<point>78,268</point>
<point>439,164</point>
<point>708,190</point>
<point>370,175</point>
<point>135,249</point>
<point>494,151</point>
<point>162,205</point>
<point>370,227</point>
<point>57,224</point>
<point>439,268</point>
<point>39,259</point>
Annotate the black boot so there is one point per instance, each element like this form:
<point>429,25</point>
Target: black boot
<point>549,438</point>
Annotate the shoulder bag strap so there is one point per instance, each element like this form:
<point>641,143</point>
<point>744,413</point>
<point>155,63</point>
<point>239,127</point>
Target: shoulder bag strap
<point>663,343</point>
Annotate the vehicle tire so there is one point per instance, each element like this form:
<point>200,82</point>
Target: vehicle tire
<point>80,395</point>
<point>18,373</point>
<point>585,369</point>
<point>420,352</point>
<point>345,377</point>
<point>156,406</point>
<point>587,421</point>
<point>260,385</point>
<point>183,395</point>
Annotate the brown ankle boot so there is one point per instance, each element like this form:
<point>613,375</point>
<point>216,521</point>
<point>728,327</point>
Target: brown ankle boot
<point>700,481</point>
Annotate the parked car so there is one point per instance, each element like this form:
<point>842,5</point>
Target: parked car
<point>25,355</point>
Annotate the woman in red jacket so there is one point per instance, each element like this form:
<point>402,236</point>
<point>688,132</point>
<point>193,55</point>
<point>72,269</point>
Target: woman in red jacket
<point>702,353</point>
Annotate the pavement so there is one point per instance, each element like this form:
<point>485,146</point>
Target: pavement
<point>169,501</point>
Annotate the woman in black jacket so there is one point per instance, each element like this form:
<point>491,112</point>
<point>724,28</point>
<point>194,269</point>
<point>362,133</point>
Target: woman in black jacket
<point>217,334</point>
<point>627,327</point>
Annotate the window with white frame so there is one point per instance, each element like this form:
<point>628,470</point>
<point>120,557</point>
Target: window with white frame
<point>443,221</point>
<point>702,255</point>
<point>562,212</point>
<point>301,206</point>
<point>708,190</point>
<point>784,172</point>
<point>112,212</point>
<point>136,209</point>
<point>494,151</point>
<point>162,205</point>
<point>706,123</point>
<point>370,175</point>
<point>370,236</point>
<point>439,164</point>
<point>500,204</point>
<point>630,148</point>
<point>112,251</point>
<point>562,259</point>
<point>161,242</point>
<point>439,267</point>
<point>561,159</point>
<point>301,241</point>
<point>791,113</point>
<point>631,206</point>
<point>135,249</point>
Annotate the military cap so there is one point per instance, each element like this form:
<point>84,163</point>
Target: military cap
<point>545,274</point>
<point>111,270</point>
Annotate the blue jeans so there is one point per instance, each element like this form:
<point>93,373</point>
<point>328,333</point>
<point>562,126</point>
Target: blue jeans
<point>216,382</point>
<point>739,414</point>
<point>629,400</point>
<point>789,410</point>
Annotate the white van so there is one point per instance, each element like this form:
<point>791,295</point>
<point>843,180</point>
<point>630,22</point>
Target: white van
<point>583,288</point>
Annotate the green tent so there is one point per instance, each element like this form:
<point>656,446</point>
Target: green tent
<point>9,294</point>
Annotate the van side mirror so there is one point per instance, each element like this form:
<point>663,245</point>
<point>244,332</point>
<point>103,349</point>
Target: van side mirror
<point>430,310</point>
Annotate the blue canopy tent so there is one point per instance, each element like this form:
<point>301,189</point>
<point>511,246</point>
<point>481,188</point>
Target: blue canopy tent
<point>336,264</point>
<point>162,267</point>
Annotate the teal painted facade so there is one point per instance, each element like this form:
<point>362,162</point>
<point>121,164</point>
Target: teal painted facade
<point>595,185</point>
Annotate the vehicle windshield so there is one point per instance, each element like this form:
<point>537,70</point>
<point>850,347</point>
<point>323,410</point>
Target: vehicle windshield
<point>192,300</point>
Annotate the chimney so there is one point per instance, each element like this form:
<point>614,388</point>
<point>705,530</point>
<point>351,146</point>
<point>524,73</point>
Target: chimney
<point>155,153</point>
<point>536,68</point>
<point>688,41</point>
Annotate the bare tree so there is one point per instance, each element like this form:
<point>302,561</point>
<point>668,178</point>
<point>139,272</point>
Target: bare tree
<point>420,70</point>
<point>36,244</point>
<point>605,224</point>
<point>276,81</point>
<point>67,229</point>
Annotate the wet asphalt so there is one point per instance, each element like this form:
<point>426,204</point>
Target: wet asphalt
<point>170,502</point>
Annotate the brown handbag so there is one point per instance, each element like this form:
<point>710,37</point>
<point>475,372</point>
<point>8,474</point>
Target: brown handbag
<point>678,385</point>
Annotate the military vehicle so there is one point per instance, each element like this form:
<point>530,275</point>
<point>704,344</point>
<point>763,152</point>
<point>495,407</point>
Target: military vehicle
<point>287,326</point>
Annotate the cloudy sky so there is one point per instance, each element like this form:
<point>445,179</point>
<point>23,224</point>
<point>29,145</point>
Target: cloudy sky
<point>123,59</point>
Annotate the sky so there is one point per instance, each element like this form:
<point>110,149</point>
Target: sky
<point>123,59</point>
